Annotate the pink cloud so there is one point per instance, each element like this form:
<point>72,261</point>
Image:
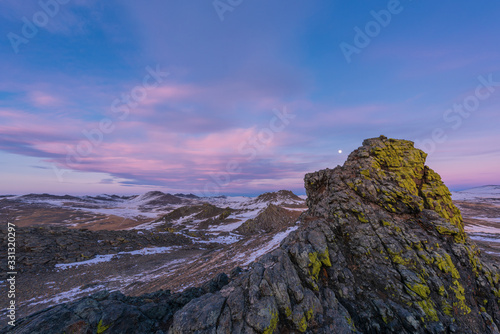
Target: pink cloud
<point>158,157</point>
<point>43,100</point>
<point>23,124</point>
<point>223,97</point>
<point>170,92</point>
<point>226,142</point>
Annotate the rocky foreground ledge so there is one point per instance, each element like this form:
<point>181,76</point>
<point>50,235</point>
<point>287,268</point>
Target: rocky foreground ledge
<point>381,249</point>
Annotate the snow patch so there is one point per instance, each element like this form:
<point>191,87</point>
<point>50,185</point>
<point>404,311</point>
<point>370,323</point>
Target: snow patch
<point>221,239</point>
<point>487,237</point>
<point>109,257</point>
<point>481,229</point>
<point>271,245</point>
<point>65,296</point>
<point>97,259</point>
<point>226,227</point>
<point>494,220</point>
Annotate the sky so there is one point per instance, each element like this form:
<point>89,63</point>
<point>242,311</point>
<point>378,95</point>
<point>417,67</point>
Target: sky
<point>240,96</point>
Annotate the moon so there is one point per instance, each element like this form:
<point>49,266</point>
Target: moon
<point>340,151</point>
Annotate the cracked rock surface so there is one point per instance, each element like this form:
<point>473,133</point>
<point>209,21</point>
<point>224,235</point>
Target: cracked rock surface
<point>381,249</point>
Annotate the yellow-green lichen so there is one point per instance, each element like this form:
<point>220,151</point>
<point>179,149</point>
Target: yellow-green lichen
<point>302,324</point>
<point>362,218</point>
<point>396,258</point>
<point>101,328</point>
<point>493,279</point>
<point>314,265</point>
<point>473,253</point>
<point>325,258</point>
<point>428,308</point>
<point>388,224</point>
<point>309,314</point>
<point>418,245</point>
<point>351,323</point>
<point>442,291</point>
<point>428,260</point>
<point>437,197</point>
<point>426,304</point>
<point>273,324</point>
<point>460,295</point>
<point>303,321</point>
<point>316,261</point>
<point>388,206</point>
<point>458,236</point>
<point>365,173</point>
<point>447,308</point>
<point>420,289</point>
<point>446,265</point>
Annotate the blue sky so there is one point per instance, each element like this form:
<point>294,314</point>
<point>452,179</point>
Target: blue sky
<point>240,97</point>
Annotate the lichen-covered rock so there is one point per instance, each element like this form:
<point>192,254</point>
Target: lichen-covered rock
<point>381,249</point>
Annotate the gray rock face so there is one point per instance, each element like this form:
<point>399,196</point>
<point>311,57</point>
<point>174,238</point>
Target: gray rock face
<point>381,249</point>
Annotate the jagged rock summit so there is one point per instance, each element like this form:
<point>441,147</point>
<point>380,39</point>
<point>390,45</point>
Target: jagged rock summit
<point>381,249</point>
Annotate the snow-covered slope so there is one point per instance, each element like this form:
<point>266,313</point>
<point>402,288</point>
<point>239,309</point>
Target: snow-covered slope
<point>477,194</point>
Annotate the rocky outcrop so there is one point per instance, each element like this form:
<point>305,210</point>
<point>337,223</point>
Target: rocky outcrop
<point>40,248</point>
<point>272,219</point>
<point>381,249</point>
<point>278,196</point>
<point>202,211</point>
<point>113,312</point>
<point>208,214</point>
<point>158,198</point>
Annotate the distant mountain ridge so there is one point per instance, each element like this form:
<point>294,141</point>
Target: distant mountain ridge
<point>135,208</point>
